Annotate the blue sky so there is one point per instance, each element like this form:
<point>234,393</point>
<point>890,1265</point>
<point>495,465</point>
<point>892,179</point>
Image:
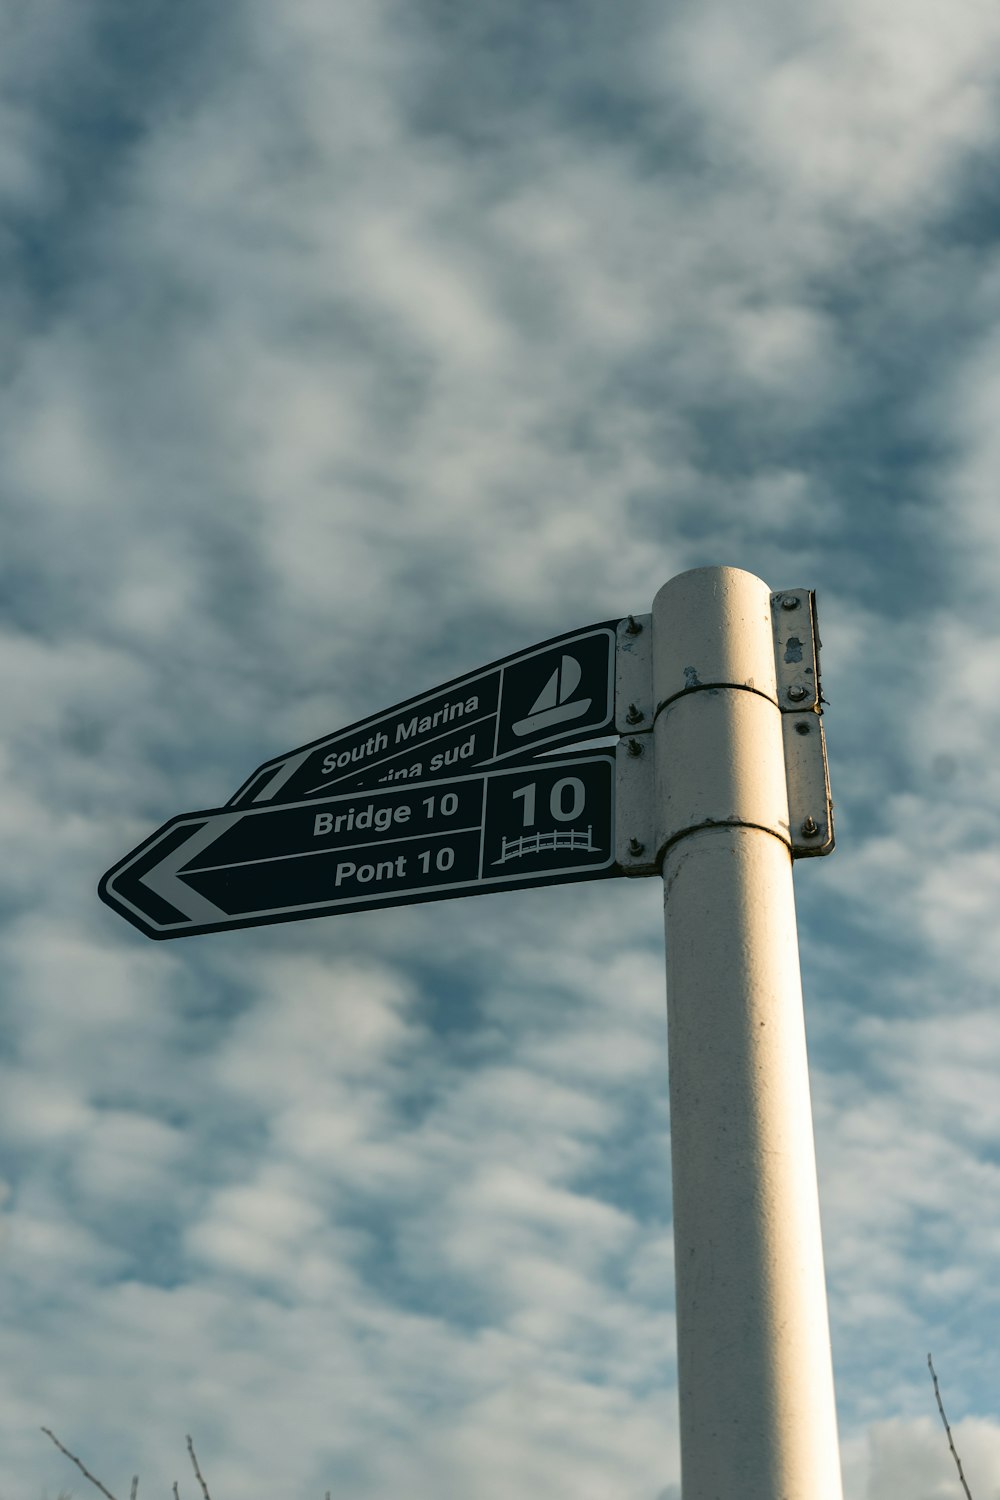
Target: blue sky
<point>346,348</point>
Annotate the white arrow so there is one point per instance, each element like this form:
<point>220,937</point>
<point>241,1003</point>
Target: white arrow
<point>165,880</point>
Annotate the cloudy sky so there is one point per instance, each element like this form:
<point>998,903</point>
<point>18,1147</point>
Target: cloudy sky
<point>347,347</point>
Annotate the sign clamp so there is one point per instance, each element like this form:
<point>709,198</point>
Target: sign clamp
<point>796,658</point>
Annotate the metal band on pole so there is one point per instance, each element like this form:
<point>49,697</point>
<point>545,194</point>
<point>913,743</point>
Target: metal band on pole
<point>757,1412</point>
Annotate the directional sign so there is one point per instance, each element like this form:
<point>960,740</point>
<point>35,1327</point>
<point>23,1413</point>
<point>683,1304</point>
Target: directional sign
<point>538,823</point>
<point>559,692</point>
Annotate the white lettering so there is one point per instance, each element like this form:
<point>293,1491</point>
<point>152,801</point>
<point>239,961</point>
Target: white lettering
<point>401,773</point>
<point>338,759</point>
<point>385,869</point>
<point>449,757</point>
<point>370,816</point>
<point>411,728</point>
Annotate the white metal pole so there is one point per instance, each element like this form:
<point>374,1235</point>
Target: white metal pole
<point>757,1413</point>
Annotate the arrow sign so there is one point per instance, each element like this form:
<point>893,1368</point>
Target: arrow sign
<point>539,823</point>
<point>562,690</point>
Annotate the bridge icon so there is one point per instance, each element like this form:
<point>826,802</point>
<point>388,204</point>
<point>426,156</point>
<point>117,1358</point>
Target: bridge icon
<point>537,843</point>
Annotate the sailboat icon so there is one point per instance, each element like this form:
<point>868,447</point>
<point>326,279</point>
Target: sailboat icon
<point>551,705</point>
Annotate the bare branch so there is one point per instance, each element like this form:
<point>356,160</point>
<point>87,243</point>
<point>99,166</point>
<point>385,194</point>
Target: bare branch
<point>951,1445</point>
<point>204,1486</point>
<point>135,1486</point>
<point>176,1494</point>
<point>85,1471</point>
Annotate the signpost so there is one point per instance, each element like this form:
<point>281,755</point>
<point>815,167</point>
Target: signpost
<point>718,783</point>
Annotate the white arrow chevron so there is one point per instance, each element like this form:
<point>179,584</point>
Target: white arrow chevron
<point>165,880</point>
<point>283,773</point>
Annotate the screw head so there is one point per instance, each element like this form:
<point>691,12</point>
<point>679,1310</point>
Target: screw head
<point>790,601</point>
<point>809,828</point>
<point>635,846</point>
<point>634,747</point>
<point>635,715</point>
<point>797,692</point>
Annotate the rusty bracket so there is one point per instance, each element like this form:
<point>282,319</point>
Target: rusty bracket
<point>800,698</point>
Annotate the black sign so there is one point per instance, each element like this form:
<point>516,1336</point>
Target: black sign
<point>541,822</point>
<point>560,691</point>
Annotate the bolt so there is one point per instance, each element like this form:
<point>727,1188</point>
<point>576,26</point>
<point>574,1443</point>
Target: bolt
<point>810,828</point>
<point>802,727</point>
<point>634,747</point>
<point>633,627</point>
<point>797,692</point>
<point>635,846</point>
<point>789,602</point>
<point>635,715</point>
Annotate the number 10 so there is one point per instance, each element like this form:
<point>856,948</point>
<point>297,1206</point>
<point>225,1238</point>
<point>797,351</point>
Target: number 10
<point>557,800</point>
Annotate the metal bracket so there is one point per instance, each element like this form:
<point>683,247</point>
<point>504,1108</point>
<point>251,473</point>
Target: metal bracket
<point>793,616</point>
<point>634,675</point>
<point>635,806</point>
<point>800,698</point>
<point>810,811</point>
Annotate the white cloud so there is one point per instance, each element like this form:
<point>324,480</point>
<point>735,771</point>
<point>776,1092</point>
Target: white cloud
<point>912,1458</point>
<point>127,1159</point>
<point>965,400</point>
<point>857,112</point>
